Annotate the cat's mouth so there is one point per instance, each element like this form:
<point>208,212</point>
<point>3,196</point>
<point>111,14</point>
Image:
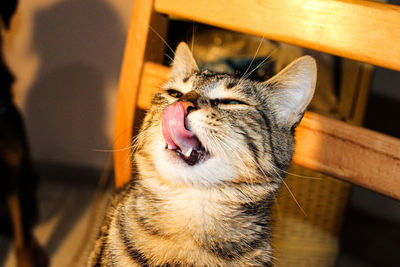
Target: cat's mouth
<point>191,157</point>
<point>179,138</point>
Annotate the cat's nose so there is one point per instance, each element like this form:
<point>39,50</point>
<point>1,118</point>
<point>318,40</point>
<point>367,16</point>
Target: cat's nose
<point>188,106</point>
<point>189,101</point>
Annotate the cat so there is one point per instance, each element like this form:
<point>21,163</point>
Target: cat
<point>211,155</point>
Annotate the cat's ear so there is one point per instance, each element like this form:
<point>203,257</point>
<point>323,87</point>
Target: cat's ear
<point>292,90</point>
<point>184,63</point>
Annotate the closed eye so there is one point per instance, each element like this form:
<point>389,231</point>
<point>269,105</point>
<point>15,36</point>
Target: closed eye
<point>174,93</point>
<point>224,101</point>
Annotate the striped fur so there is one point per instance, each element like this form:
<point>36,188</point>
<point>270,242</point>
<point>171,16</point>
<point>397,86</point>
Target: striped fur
<point>216,212</point>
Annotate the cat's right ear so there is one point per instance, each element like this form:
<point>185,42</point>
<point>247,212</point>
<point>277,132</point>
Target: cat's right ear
<point>184,64</point>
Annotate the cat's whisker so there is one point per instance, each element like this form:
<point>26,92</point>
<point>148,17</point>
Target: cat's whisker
<point>252,60</point>
<point>162,39</point>
<point>278,209</point>
<point>169,57</point>
<point>298,175</point>
<point>281,178</point>
<point>224,148</point>
<point>291,193</point>
<point>192,45</point>
<point>240,151</point>
<point>294,198</point>
<point>287,186</point>
<point>111,150</point>
<point>257,67</point>
<point>231,151</point>
<point>132,145</point>
<point>135,142</point>
<point>263,62</point>
<point>234,150</point>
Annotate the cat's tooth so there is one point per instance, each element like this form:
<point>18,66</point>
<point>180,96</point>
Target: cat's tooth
<point>170,147</point>
<point>188,153</point>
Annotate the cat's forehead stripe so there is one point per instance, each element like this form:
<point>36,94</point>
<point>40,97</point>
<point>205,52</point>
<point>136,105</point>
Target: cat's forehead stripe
<point>219,90</point>
<point>231,83</point>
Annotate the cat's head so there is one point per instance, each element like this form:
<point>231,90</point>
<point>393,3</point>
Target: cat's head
<point>206,128</point>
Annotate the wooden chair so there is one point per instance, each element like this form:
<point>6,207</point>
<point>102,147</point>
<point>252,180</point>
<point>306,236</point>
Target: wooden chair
<point>360,30</point>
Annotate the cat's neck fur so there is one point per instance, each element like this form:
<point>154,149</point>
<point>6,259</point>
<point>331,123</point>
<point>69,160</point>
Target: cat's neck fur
<point>204,217</point>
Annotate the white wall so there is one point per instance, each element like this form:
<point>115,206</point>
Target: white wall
<point>66,56</point>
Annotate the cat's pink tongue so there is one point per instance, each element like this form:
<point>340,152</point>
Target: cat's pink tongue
<point>174,131</point>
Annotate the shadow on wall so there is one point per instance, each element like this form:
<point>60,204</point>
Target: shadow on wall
<point>80,46</point>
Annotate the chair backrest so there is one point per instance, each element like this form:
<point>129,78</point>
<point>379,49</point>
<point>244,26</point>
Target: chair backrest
<point>360,30</point>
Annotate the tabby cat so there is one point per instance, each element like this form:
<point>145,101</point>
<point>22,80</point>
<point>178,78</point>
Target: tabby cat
<point>211,156</point>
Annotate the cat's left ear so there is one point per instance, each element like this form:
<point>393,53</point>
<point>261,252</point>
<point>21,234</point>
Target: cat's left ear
<point>184,63</point>
<point>292,90</point>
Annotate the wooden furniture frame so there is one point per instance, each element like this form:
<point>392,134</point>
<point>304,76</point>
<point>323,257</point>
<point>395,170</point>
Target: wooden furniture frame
<point>359,30</point>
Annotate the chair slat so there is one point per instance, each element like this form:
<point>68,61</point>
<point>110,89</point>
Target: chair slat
<point>354,154</point>
<point>357,155</point>
<point>365,31</point>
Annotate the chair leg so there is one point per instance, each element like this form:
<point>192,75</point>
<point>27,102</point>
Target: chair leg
<point>28,251</point>
<point>142,45</point>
